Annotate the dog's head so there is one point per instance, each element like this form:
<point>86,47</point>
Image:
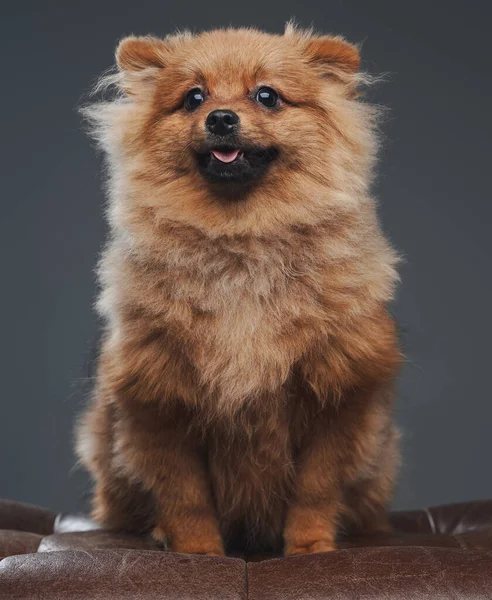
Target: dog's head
<point>232,128</point>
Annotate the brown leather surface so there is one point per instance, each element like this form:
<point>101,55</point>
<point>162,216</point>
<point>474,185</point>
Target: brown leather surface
<point>448,519</point>
<point>18,542</point>
<point>26,517</point>
<point>374,574</point>
<point>95,540</point>
<point>440,552</point>
<point>108,574</point>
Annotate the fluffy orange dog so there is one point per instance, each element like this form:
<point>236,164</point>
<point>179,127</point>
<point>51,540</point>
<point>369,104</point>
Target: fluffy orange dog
<point>244,390</point>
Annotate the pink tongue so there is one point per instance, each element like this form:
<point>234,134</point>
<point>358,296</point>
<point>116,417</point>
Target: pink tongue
<point>225,157</point>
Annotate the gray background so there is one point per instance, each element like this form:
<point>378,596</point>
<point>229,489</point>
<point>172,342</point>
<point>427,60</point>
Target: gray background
<point>434,187</point>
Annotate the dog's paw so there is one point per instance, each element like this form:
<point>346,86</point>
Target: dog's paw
<point>196,545</point>
<point>311,548</point>
<point>160,538</point>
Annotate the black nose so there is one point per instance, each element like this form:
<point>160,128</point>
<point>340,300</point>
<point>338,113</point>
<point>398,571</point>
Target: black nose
<point>222,122</point>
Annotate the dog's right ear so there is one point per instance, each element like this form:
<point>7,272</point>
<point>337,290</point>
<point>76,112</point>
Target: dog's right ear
<point>139,61</point>
<point>138,53</point>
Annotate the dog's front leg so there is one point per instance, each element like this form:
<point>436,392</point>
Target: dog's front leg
<point>156,448</point>
<point>346,443</point>
<point>312,518</point>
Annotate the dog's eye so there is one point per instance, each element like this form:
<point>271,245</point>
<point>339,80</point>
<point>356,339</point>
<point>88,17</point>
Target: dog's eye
<point>194,98</point>
<point>267,96</point>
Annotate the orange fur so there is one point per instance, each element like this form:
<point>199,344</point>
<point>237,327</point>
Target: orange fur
<point>245,379</point>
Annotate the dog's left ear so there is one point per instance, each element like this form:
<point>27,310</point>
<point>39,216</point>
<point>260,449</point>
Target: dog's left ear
<point>333,56</point>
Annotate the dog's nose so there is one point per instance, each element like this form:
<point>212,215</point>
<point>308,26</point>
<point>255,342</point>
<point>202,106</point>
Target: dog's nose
<point>222,122</point>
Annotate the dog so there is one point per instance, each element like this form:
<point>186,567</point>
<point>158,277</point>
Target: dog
<point>244,388</point>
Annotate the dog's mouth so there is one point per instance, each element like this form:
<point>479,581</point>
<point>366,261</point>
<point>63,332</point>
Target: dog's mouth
<point>227,163</point>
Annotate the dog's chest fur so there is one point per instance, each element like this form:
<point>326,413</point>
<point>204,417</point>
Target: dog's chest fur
<point>242,311</point>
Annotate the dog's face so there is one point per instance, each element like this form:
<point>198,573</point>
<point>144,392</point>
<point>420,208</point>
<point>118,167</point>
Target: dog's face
<point>228,123</point>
